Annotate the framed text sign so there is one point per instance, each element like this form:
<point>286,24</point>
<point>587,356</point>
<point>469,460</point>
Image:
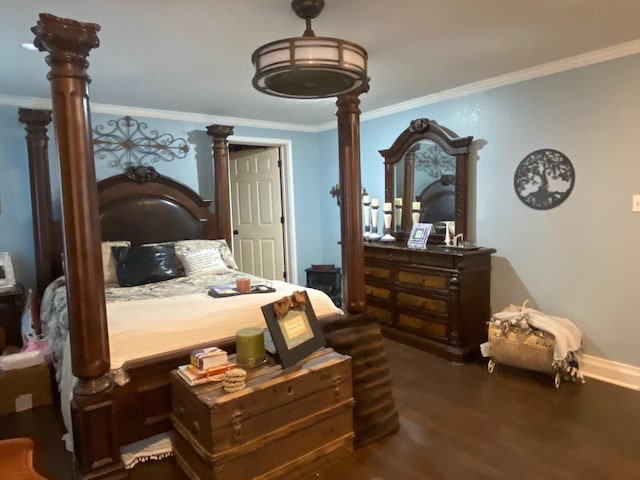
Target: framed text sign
<point>294,328</point>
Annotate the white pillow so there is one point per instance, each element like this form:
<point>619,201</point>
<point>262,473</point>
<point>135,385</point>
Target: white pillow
<point>202,261</point>
<point>189,246</point>
<point>109,264</point>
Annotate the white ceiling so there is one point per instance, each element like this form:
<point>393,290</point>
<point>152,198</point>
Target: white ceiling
<point>195,56</point>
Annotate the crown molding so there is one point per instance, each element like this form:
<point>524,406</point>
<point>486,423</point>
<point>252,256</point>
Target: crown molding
<point>25,102</point>
<point>119,110</point>
<point>578,61</point>
<point>570,63</point>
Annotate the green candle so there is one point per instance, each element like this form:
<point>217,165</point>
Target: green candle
<point>250,350</point>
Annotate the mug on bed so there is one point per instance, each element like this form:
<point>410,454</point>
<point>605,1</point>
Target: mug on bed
<point>243,285</point>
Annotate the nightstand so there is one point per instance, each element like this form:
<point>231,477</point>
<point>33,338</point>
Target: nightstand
<point>328,280</point>
<point>11,308</point>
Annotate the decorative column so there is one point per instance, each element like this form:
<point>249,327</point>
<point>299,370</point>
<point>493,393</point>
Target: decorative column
<point>36,122</point>
<point>222,196</point>
<point>68,43</point>
<point>354,296</point>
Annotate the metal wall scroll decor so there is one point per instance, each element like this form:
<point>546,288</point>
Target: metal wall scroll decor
<point>544,179</point>
<point>127,145</point>
<point>434,161</point>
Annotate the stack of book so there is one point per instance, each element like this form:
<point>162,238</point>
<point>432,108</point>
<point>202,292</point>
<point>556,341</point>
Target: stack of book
<point>205,358</point>
<point>207,365</point>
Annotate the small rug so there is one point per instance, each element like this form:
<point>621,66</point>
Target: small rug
<point>153,448</point>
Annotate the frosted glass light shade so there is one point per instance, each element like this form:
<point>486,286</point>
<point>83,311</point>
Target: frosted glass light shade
<point>309,67</point>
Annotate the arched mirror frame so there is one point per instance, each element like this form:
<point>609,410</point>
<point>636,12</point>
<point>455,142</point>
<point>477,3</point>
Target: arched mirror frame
<point>452,144</point>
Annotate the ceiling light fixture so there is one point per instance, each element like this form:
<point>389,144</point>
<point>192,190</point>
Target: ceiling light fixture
<point>309,66</point>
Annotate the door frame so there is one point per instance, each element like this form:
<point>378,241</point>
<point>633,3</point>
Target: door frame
<point>288,209</point>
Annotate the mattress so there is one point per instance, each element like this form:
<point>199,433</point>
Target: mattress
<point>152,319</point>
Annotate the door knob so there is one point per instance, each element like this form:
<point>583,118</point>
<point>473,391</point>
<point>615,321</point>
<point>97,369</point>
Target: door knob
<point>236,232</point>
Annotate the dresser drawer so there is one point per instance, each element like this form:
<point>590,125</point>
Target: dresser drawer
<point>387,255</point>
<point>425,327</point>
<point>374,291</point>
<point>377,271</point>
<point>382,314</point>
<point>426,278</point>
<point>435,305</point>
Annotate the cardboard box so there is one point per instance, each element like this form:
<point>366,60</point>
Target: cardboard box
<point>24,388</point>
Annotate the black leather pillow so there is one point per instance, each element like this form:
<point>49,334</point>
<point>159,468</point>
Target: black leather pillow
<point>141,264</point>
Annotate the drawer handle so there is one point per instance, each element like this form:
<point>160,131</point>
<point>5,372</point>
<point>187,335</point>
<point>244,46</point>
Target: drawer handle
<point>196,427</point>
<point>236,425</point>
<point>390,257</point>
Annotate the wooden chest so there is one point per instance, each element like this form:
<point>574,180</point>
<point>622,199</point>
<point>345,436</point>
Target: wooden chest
<point>285,424</point>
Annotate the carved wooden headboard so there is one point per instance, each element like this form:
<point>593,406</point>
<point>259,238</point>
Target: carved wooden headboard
<point>145,207</point>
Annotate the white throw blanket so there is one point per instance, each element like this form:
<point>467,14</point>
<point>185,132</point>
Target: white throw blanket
<point>568,338</point>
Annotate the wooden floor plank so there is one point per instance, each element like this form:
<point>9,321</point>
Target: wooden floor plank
<point>456,422</point>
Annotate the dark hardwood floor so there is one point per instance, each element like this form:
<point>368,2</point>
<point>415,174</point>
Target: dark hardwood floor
<point>457,423</point>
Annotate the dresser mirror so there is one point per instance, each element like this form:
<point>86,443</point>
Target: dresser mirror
<point>426,172</point>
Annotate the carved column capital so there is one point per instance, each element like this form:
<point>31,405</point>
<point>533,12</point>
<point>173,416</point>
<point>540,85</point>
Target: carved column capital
<point>34,118</point>
<point>219,132</point>
<point>68,43</point>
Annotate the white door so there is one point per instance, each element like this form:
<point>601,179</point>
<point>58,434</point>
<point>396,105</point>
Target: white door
<point>256,212</point>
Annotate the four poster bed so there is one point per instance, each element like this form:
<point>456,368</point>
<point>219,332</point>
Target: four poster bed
<point>118,396</point>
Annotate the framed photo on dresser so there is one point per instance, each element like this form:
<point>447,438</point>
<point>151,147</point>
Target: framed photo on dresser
<point>419,235</point>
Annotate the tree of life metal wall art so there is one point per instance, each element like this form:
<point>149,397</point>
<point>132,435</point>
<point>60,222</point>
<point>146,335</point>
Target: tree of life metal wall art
<point>544,179</point>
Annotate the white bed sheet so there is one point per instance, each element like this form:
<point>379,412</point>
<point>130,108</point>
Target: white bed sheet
<point>165,324</point>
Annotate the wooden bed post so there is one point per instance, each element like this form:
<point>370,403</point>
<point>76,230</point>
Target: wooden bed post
<point>354,298</point>
<point>219,133</point>
<point>68,43</point>
<point>44,230</point>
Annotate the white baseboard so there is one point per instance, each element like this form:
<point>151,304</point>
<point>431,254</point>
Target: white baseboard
<point>608,371</point>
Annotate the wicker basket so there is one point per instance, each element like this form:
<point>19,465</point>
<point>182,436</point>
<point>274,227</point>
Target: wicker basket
<point>532,350</point>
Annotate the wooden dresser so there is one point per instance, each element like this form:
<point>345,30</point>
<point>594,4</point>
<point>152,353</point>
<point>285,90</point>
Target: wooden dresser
<point>436,299</point>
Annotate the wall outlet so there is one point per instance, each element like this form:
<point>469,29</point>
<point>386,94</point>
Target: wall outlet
<point>636,204</point>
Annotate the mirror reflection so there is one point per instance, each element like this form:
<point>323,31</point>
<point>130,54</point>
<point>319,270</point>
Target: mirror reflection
<point>426,179</point>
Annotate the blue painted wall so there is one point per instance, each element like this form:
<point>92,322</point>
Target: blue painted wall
<point>578,260</point>
<point>194,170</point>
